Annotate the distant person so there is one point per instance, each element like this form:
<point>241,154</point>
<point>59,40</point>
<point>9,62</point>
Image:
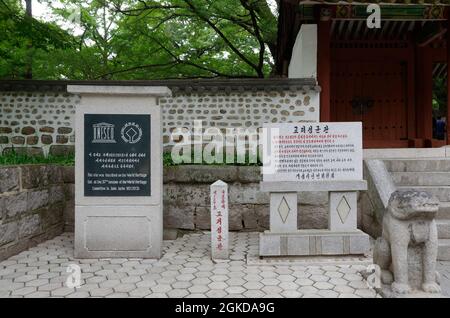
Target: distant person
<point>440,128</point>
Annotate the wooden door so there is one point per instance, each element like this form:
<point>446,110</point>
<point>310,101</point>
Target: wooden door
<point>373,92</point>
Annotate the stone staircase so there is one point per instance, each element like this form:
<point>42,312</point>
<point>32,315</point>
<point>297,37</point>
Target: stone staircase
<point>433,176</point>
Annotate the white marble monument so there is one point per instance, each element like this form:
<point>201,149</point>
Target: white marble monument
<point>118,171</point>
<point>313,157</point>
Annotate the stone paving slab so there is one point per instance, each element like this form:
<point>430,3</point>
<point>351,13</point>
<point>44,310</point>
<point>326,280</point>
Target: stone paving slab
<point>443,268</point>
<point>185,270</point>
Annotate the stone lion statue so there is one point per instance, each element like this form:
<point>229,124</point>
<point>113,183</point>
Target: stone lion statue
<point>407,250</point>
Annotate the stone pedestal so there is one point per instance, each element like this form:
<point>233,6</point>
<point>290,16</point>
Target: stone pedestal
<point>283,212</point>
<point>386,292</point>
<point>343,211</point>
<point>313,243</point>
<point>118,172</point>
<point>342,236</point>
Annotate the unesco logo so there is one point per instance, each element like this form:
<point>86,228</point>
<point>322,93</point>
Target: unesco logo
<point>131,133</point>
<point>103,133</point>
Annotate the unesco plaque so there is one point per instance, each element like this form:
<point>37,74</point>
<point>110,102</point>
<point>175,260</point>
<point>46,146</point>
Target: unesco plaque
<point>116,155</point>
<point>118,171</point>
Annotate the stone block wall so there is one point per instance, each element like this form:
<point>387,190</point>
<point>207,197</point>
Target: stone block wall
<point>237,109</point>
<point>42,121</point>
<point>33,203</point>
<point>187,199</point>
<point>37,122</point>
<point>37,202</point>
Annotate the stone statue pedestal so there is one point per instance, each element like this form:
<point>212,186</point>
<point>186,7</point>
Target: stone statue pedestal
<point>342,236</point>
<point>386,292</point>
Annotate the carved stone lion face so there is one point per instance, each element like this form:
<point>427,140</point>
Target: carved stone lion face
<point>409,204</point>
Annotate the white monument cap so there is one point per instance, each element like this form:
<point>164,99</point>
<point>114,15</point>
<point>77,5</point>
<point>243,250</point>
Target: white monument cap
<point>219,183</point>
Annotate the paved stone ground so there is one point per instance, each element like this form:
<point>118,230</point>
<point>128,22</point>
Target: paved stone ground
<point>444,269</point>
<point>184,271</point>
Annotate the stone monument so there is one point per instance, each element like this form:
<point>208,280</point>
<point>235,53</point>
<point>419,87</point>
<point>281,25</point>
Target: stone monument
<point>118,171</point>
<point>313,157</point>
<point>219,220</point>
<point>407,250</point>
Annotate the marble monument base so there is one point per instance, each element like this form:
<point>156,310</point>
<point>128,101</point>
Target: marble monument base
<point>313,243</point>
<point>121,232</point>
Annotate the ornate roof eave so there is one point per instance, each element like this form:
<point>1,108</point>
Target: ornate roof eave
<point>347,10</point>
<point>383,3</point>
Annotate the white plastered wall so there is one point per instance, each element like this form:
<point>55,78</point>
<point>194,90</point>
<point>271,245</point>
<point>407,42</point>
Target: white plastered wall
<point>304,54</point>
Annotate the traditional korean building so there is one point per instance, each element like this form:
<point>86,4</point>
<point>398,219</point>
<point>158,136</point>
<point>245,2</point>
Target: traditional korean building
<point>392,78</point>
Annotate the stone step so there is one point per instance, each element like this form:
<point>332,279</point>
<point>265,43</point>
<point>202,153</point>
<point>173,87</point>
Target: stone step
<point>443,227</point>
<point>417,165</point>
<point>441,192</point>
<point>444,250</point>
<point>444,211</point>
<point>421,178</point>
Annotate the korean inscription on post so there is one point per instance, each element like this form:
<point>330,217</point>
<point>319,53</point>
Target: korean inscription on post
<point>116,155</point>
<point>219,220</point>
<point>218,207</point>
<point>313,152</point>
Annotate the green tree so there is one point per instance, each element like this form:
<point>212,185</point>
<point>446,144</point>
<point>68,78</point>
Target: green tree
<point>97,25</point>
<point>137,39</point>
<point>211,38</point>
<point>26,43</point>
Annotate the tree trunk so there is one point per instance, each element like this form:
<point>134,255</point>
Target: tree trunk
<point>29,17</point>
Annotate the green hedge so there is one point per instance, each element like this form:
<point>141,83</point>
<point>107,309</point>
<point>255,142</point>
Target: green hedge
<point>13,158</point>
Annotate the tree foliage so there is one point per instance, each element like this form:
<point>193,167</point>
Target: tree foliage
<point>137,39</point>
<point>23,37</point>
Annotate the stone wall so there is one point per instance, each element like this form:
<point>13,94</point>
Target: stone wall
<point>34,200</point>
<point>237,109</point>
<point>37,122</point>
<point>42,122</point>
<point>37,202</point>
<point>187,199</point>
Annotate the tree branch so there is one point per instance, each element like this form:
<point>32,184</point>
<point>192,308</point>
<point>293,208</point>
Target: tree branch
<point>180,61</point>
<point>136,68</point>
<point>222,35</point>
<point>262,46</point>
<point>145,6</point>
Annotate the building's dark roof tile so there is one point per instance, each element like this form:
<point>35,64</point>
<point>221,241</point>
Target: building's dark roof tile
<point>177,86</point>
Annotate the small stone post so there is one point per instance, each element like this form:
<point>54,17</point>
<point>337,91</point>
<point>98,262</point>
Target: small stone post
<point>219,220</point>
